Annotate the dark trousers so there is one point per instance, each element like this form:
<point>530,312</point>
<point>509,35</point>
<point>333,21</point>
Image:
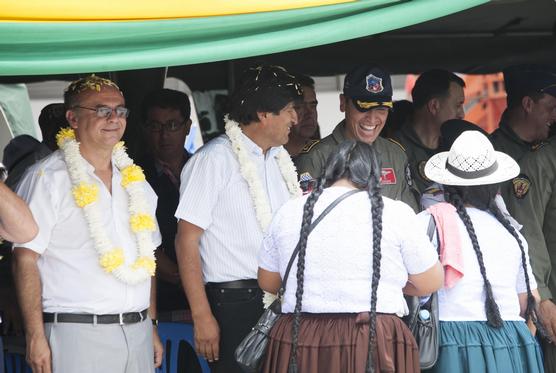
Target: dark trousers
<point>236,311</point>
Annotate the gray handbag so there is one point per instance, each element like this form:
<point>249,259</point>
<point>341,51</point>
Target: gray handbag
<point>251,351</point>
<point>423,321</point>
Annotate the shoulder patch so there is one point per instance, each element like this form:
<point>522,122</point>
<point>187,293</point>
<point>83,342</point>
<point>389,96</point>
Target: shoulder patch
<point>421,170</point>
<point>309,146</point>
<point>396,142</point>
<point>521,184</point>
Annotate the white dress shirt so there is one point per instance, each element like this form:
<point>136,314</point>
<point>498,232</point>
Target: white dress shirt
<point>72,278</point>
<point>338,263</point>
<point>504,270</point>
<point>215,197</point>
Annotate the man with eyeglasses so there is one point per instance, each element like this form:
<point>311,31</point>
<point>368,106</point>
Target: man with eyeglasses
<point>307,130</point>
<point>84,291</point>
<point>166,124</point>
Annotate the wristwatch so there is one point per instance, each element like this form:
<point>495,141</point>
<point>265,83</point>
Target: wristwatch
<point>155,322</point>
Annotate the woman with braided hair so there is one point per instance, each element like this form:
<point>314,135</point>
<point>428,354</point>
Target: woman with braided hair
<point>342,308</point>
<point>489,290</point>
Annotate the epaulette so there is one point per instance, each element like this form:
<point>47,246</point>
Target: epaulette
<point>396,142</point>
<point>309,146</point>
<point>538,146</point>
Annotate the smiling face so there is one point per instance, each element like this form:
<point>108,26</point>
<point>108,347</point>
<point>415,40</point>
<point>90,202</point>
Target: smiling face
<point>92,131</point>
<point>362,126</point>
<point>541,115</point>
<point>278,126</point>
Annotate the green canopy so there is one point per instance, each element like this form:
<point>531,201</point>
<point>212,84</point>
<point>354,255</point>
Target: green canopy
<point>33,48</point>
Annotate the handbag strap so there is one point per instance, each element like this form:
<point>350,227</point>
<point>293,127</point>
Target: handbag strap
<point>431,230</point>
<point>311,227</point>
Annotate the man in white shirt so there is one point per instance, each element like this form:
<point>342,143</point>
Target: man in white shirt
<point>229,190</point>
<point>84,283</point>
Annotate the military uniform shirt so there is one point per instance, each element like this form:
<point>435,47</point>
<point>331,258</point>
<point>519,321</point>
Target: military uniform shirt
<point>396,178</point>
<point>504,139</point>
<point>531,199</point>
<point>417,154</point>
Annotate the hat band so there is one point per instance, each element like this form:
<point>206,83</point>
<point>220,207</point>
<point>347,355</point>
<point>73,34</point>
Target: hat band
<point>472,174</point>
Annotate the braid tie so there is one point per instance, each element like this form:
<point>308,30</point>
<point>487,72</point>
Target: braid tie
<point>491,308</point>
<point>531,310</point>
<point>377,206</point>
<point>308,211</point>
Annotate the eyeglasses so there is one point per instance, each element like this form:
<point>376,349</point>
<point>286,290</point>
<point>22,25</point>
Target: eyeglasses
<point>106,111</point>
<point>170,126</point>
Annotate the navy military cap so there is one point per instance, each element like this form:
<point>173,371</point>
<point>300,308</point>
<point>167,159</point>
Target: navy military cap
<point>524,80</point>
<point>369,87</point>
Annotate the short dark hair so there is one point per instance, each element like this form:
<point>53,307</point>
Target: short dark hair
<point>166,99</point>
<point>263,89</point>
<point>305,80</point>
<point>432,84</point>
<point>91,82</point>
<point>515,101</point>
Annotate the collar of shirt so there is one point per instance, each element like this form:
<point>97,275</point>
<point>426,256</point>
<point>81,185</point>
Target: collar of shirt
<point>256,150</point>
<point>409,133</point>
<point>339,133</point>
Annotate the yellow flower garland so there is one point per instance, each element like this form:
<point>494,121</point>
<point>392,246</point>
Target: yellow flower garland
<point>85,192</point>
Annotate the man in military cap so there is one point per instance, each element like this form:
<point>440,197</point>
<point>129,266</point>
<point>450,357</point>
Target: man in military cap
<point>366,101</point>
<point>525,125</point>
<point>437,97</point>
<point>531,198</point>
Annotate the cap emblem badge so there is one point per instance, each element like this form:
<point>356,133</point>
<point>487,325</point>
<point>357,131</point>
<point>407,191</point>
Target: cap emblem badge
<point>374,84</point>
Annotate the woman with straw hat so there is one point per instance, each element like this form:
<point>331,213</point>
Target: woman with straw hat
<point>489,290</point>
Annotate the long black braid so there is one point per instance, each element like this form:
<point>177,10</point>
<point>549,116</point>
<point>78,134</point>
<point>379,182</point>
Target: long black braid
<point>491,308</point>
<point>377,204</point>
<point>308,211</point>
<point>358,163</point>
<point>531,311</point>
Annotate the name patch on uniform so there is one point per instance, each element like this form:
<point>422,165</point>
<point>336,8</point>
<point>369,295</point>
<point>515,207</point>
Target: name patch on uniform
<point>387,176</point>
<point>521,184</point>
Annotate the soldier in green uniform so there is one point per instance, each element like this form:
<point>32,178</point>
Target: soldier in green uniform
<point>525,124</point>
<point>531,199</point>
<point>366,101</point>
<point>437,97</point>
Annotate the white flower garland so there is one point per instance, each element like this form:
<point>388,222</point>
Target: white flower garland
<point>249,172</point>
<point>85,193</point>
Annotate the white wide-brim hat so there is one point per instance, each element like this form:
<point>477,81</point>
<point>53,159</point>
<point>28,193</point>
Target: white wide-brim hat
<point>471,161</point>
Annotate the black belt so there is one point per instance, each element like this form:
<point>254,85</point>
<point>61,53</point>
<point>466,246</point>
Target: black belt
<point>239,284</point>
<point>86,318</point>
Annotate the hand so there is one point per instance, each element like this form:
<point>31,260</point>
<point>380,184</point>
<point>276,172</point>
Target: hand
<point>207,337</point>
<point>38,354</point>
<point>158,348</point>
<point>547,310</point>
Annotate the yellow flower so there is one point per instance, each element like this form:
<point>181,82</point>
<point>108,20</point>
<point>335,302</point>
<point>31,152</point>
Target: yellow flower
<point>145,262</point>
<point>64,135</point>
<point>84,194</point>
<point>112,259</point>
<point>119,145</point>
<point>142,222</point>
<point>132,174</point>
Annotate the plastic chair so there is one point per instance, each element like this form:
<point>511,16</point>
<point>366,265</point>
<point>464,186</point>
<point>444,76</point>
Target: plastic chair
<point>15,363</point>
<point>171,334</point>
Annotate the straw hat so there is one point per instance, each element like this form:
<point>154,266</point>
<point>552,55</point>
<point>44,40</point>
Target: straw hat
<point>471,161</point>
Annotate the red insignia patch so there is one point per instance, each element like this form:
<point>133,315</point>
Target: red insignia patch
<point>388,176</point>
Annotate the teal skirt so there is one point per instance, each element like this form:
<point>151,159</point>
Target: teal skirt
<point>475,347</point>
